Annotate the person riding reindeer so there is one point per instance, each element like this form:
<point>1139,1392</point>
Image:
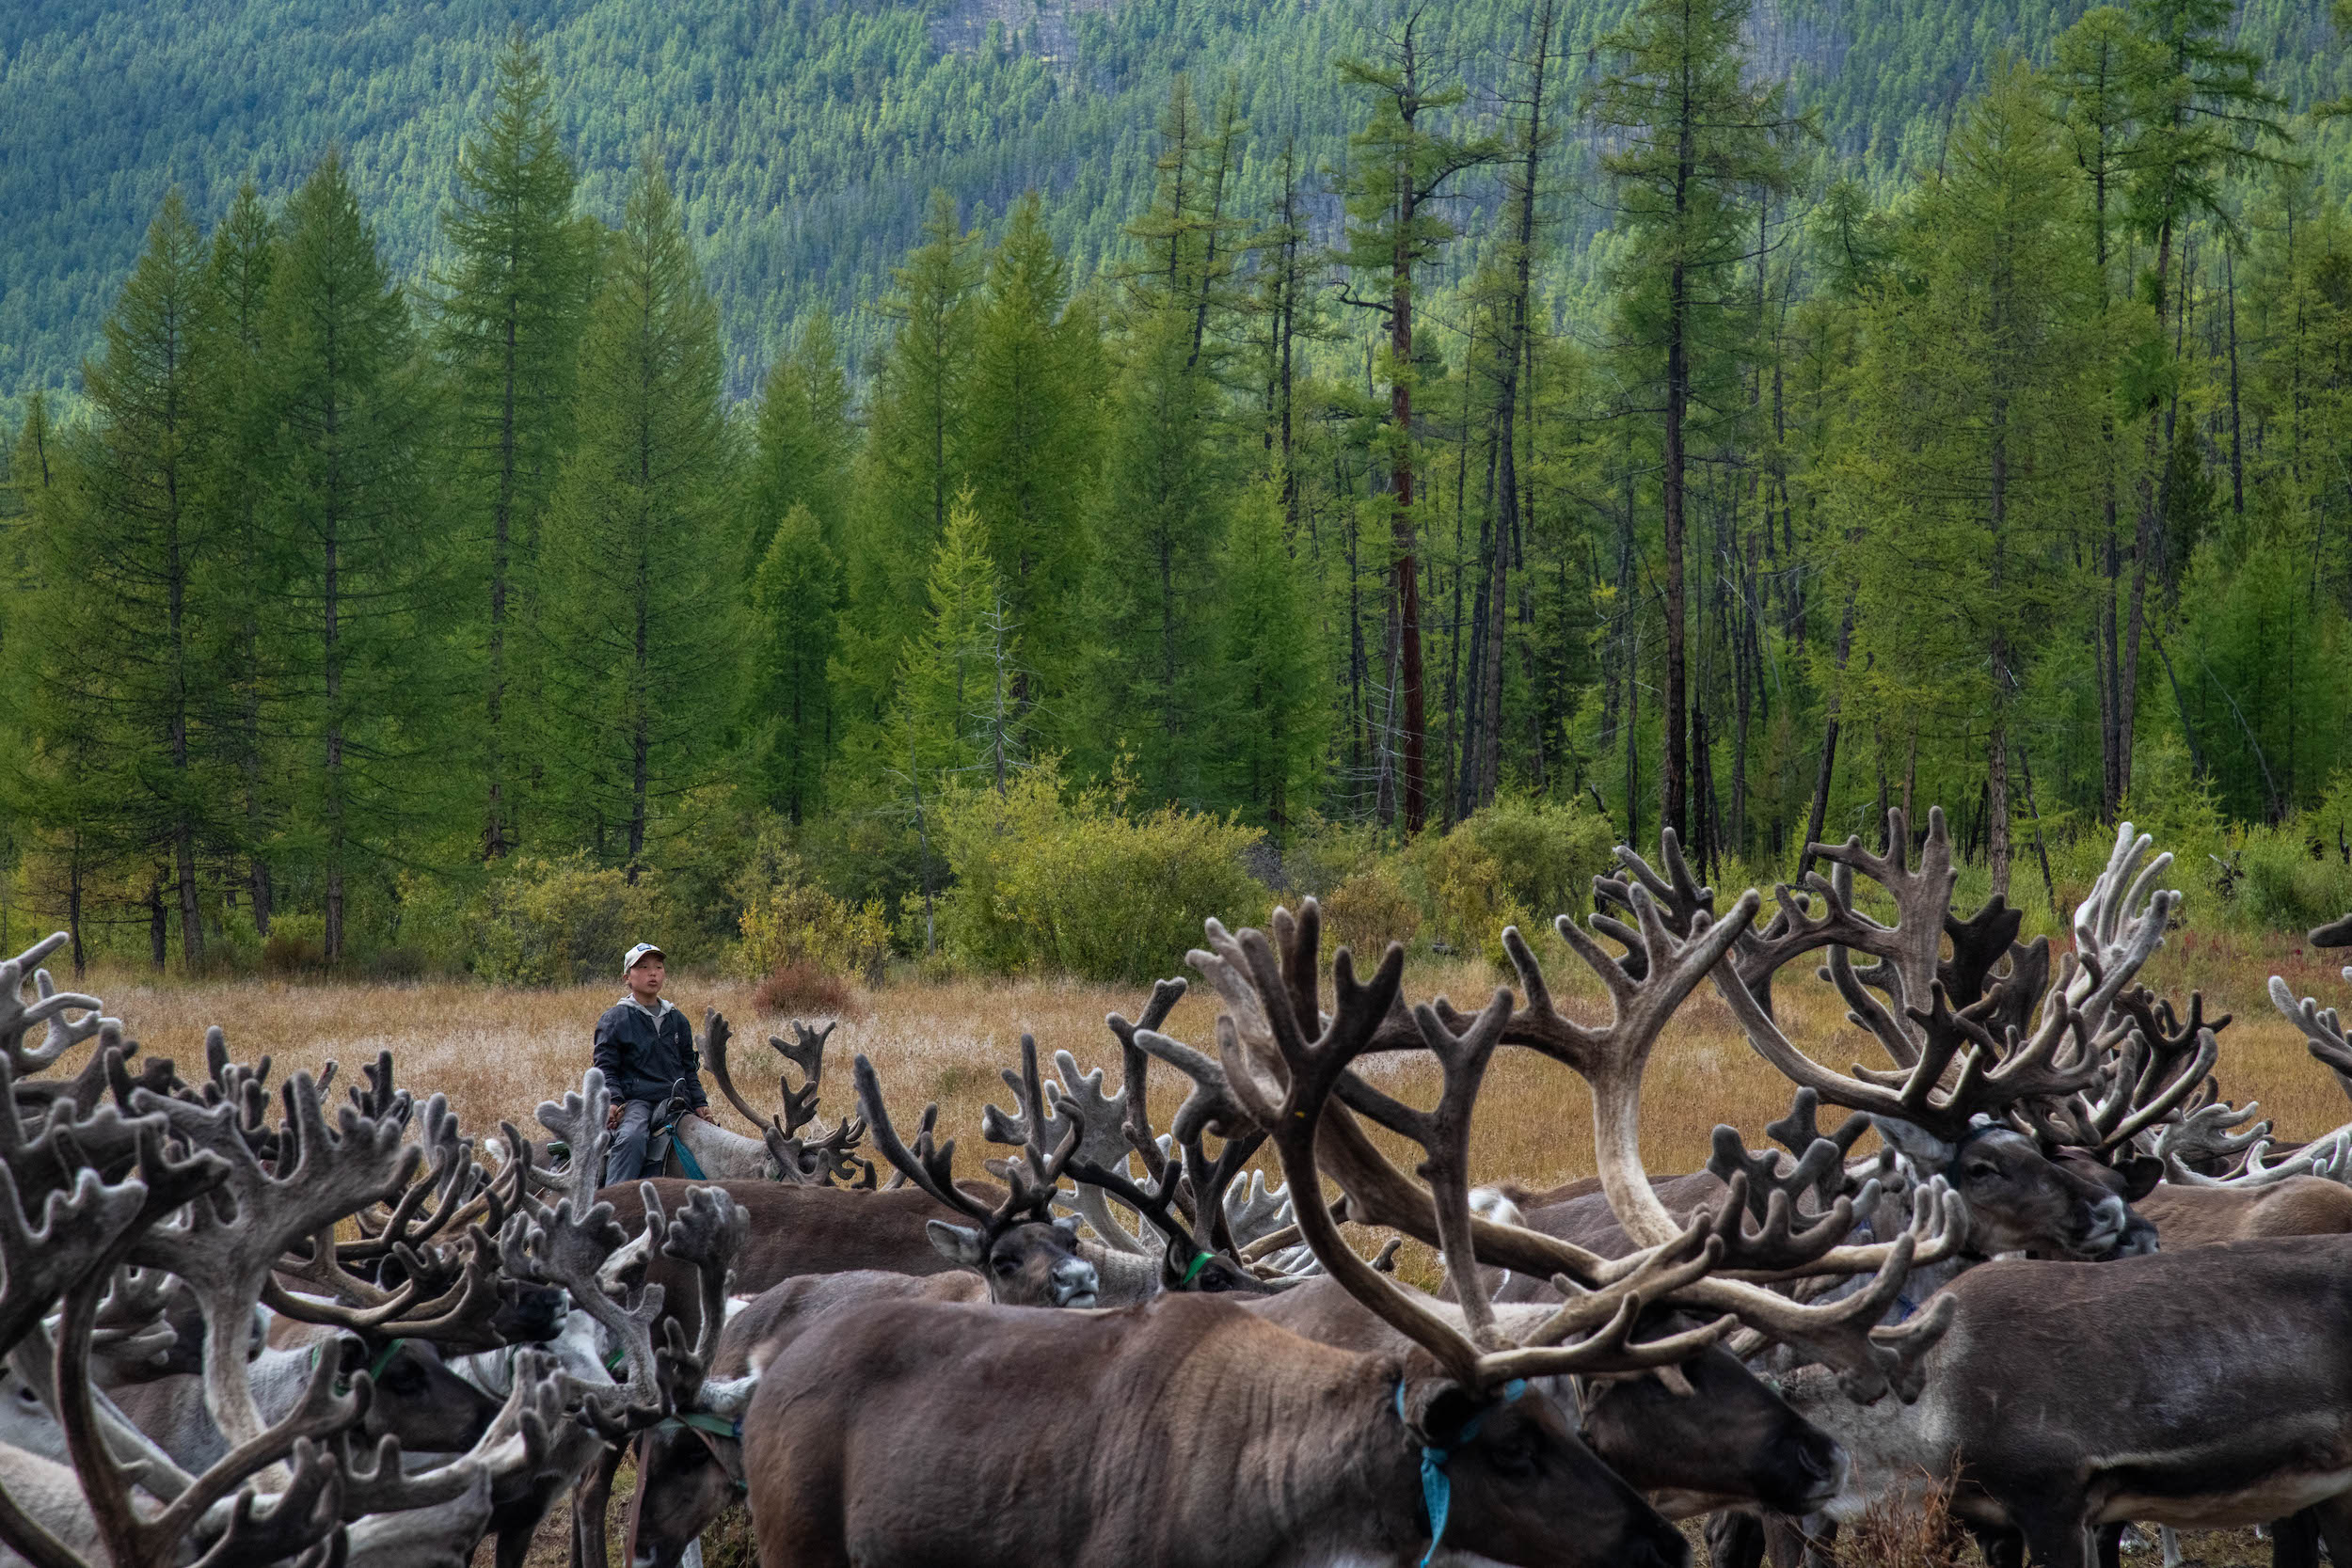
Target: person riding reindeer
<point>645,1050</point>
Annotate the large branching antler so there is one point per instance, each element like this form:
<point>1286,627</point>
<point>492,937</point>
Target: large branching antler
<point>226,1246</point>
<point>1032,1185</point>
<point>1036,1126</point>
<point>2321,1027</point>
<point>568,1243</point>
<point>1837,1333</point>
<point>50,1009</point>
<point>1292,1106</point>
<point>817,1159</point>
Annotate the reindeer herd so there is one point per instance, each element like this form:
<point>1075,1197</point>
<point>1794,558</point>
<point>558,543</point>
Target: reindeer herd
<point>2071,1286</point>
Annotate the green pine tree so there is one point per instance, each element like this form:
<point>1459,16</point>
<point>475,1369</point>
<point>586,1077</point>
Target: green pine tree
<point>1973,451</point>
<point>1399,165</point>
<point>1694,145</point>
<point>916,451</point>
<point>805,440</point>
<point>955,713</point>
<point>796,602</point>
<point>231,488</point>
<point>1271,675</point>
<point>1033,448</point>
<point>641,561</point>
<point>135,550</point>
<point>357,578</point>
<point>512,300</point>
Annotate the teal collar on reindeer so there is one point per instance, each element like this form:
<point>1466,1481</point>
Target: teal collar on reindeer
<point>1192,1270</point>
<point>1437,1487</point>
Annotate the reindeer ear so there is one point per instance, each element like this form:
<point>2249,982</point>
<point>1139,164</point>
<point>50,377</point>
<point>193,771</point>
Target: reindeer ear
<point>1437,1409</point>
<point>1921,1147</point>
<point>1068,1226</point>
<point>958,1244</point>
<point>2141,1174</point>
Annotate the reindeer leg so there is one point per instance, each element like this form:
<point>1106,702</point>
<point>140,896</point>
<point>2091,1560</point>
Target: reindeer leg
<point>591,1500</point>
<point>2295,1539</point>
<point>1735,1539</point>
<point>2335,1528</point>
<point>2110,1538</point>
<point>2169,1540</point>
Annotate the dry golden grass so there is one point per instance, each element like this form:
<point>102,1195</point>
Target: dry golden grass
<point>497,1053</point>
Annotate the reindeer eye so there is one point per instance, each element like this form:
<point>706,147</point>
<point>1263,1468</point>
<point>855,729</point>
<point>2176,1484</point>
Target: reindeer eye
<point>1514,1457</point>
<point>1005,1265</point>
<point>1979,1171</point>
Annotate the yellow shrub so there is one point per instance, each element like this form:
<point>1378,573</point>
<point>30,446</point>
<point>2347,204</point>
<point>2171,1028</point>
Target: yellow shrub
<point>795,923</point>
<point>1369,910</point>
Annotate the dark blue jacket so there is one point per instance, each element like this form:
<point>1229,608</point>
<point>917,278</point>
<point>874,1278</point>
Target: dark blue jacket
<point>641,1058</point>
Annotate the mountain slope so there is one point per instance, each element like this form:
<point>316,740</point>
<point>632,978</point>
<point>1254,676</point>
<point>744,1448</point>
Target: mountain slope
<point>802,134</point>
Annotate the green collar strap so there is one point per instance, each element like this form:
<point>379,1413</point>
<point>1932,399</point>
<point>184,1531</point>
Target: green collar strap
<point>1192,1270</point>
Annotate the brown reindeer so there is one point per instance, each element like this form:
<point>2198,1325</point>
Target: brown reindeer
<point>1188,1431</point>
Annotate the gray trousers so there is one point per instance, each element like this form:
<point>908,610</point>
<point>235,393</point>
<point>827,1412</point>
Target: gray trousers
<point>626,1159</point>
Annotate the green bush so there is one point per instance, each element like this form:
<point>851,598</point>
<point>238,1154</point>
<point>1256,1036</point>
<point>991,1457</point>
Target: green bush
<point>1076,886</point>
<point>2287,888</point>
<point>552,922</point>
<point>1546,852</point>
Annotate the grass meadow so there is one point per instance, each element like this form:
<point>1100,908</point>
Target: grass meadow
<point>497,1053</point>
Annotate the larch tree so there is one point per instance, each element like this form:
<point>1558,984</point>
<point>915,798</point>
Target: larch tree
<point>642,627</point>
<point>796,603</point>
<point>136,550</point>
<point>954,714</point>
<point>1692,145</point>
<point>2206,114</point>
<point>232,492</point>
<point>357,579</point>
<point>2100,82</point>
<point>916,449</point>
<point>1275,700</point>
<point>805,440</point>
<point>1399,165</point>
<point>511,302</point>
<point>1035,391</point>
<point>1977,398</point>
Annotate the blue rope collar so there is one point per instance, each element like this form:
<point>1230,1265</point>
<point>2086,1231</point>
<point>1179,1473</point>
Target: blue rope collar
<point>1437,1487</point>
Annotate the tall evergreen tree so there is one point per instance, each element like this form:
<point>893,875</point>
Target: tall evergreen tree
<point>2207,114</point>
<point>132,555</point>
<point>509,332</point>
<point>1399,164</point>
<point>54,703</point>
<point>1034,439</point>
<point>357,575</point>
<point>2101,79</point>
<point>1693,144</point>
<point>796,602</point>
<point>916,451</point>
<point>1978,391</point>
<point>642,640</point>
<point>236,302</point>
<point>955,713</point>
<point>1275,703</point>
<point>805,439</point>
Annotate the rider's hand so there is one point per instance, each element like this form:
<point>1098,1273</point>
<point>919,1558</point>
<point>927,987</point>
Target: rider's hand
<point>704,1112</point>
<point>613,1118</point>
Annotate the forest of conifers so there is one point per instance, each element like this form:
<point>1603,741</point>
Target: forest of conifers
<point>1423,419</point>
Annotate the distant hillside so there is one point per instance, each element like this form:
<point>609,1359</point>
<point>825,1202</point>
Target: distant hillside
<point>802,134</point>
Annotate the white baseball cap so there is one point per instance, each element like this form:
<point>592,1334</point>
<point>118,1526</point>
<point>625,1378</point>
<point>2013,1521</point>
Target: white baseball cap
<point>639,954</point>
